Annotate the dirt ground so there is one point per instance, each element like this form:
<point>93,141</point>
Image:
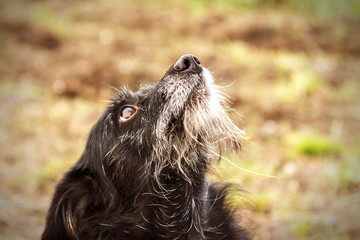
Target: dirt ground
<point>293,82</point>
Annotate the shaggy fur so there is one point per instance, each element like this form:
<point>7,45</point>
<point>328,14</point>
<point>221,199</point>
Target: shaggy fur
<point>144,178</point>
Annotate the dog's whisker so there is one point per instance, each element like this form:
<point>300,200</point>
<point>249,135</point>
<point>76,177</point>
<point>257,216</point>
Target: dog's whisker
<point>243,169</point>
<point>103,169</point>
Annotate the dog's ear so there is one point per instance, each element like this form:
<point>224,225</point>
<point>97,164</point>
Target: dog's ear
<point>76,199</point>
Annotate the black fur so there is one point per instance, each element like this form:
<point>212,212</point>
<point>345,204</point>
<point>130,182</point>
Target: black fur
<point>145,178</point>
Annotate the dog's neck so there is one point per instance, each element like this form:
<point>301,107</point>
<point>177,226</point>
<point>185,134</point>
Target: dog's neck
<point>175,203</point>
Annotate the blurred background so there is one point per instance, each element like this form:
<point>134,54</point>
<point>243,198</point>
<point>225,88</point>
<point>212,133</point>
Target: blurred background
<point>291,69</point>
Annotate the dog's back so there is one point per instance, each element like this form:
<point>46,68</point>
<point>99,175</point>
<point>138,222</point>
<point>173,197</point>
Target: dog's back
<point>142,173</point>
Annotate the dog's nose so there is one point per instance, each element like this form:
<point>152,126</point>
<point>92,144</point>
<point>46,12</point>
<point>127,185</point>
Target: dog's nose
<point>188,63</point>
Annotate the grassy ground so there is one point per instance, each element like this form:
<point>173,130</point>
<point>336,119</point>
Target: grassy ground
<point>293,81</point>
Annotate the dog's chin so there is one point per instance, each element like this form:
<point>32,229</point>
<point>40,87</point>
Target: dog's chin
<point>189,95</point>
<point>201,94</point>
<point>197,111</point>
<point>193,115</point>
<point>206,116</point>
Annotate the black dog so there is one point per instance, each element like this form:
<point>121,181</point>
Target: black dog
<point>142,173</point>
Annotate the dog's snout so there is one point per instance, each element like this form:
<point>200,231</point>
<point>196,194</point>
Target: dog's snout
<point>188,63</point>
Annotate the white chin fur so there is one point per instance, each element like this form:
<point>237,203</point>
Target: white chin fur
<point>214,99</point>
<point>205,121</point>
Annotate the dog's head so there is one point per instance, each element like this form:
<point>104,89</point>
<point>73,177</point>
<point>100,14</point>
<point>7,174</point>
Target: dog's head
<point>168,125</point>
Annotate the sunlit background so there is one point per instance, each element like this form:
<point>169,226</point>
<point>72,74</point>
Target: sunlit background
<point>291,69</point>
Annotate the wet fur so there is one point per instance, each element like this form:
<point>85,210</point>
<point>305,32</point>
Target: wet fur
<point>145,178</point>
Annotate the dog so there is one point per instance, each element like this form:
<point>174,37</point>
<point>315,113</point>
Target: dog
<point>142,173</point>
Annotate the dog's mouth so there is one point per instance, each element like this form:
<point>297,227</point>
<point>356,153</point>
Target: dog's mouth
<point>192,111</point>
<point>198,94</point>
<point>186,83</point>
<point>188,90</point>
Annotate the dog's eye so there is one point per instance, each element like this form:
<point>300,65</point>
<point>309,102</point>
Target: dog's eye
<point>126,113</point>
